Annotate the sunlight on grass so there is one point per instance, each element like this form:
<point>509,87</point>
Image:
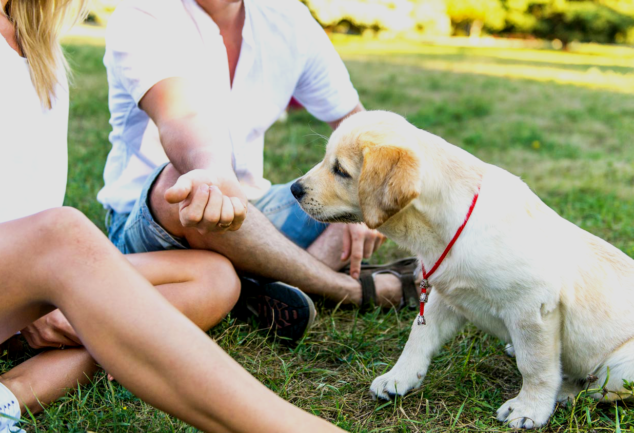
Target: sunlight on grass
<point>610,72</point>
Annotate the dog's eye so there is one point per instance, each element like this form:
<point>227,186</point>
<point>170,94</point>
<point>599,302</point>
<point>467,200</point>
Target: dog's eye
<point>338,171</point>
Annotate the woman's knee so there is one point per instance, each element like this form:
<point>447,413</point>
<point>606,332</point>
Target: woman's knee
<point>61,227</point>
<point>218,280</point>
<point>63,240</point>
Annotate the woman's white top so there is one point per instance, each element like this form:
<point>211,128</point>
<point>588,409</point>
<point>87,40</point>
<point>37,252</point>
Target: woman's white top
<point>33,141</point>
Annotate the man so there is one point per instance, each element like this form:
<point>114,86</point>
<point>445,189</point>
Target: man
<point>197,83</point>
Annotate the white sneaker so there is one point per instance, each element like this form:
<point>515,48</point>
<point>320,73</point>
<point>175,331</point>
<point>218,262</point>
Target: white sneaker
<point>9,411</point>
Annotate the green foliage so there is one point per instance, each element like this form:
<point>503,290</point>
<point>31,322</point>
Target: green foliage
<point>100,10</point>
<point>567,20</point>
<point>585,21</point>
<point>490,13</point>
<point>391,15</point>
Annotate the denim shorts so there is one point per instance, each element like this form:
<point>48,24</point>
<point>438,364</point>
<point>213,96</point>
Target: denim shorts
<point>138,232</point>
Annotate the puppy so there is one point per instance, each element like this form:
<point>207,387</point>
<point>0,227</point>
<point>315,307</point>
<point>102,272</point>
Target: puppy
<point>563,297</point>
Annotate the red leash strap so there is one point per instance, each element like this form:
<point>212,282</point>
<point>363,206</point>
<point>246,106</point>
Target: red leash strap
<point>425,287</point>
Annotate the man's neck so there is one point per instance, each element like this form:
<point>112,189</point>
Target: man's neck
<point>224,13</point>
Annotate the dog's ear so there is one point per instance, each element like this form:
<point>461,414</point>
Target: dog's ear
<point>389,181</point>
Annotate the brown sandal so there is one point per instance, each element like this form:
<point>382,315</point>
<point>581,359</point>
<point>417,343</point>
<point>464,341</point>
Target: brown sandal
<point>403,269</point>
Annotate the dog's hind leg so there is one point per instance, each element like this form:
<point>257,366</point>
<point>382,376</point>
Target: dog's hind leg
<point>423,343</point>
<point>536,339</point>
<point>617,368</point>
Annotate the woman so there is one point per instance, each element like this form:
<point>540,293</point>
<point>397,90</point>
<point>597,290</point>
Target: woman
<point>53,257</point>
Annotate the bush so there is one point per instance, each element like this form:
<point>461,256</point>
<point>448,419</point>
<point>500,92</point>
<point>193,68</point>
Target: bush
<point>100,10</point>
<point>585,22</point>
<point>354,16</point>
<point>605,21</point>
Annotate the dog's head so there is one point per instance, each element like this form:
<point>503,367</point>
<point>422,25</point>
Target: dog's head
<point>370,172</point>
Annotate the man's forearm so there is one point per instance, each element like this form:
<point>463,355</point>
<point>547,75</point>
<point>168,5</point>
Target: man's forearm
<point>191,143</point>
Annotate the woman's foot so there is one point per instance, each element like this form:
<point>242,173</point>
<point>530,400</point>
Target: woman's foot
<point>9,411</point>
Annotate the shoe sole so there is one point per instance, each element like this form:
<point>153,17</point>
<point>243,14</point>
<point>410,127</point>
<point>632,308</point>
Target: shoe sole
<point>284,309</point>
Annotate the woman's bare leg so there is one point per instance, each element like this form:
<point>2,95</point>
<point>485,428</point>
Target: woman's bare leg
<point>200,284</point>
<point>41,380</point>
<point>58,258</point>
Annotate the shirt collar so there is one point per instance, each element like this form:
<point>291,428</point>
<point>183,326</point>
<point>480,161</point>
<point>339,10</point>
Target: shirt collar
<point>205,23</point>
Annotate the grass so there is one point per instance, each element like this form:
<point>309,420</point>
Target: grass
<point>560,120</point>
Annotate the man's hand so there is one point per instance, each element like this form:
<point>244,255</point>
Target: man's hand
<point>359,242</point>
<point>52,330</point>
<point>208,203</point>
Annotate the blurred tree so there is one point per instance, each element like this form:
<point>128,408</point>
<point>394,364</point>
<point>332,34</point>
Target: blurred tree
<point>471,16</point>
<point>604,21</point>
<point>431,17</point>
<point>357,15</point>
<point>100,10</point>
<point>353,16</point>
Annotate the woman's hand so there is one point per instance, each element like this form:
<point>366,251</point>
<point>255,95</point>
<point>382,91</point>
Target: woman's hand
<point>52,330</point>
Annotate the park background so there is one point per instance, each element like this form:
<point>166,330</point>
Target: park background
<point>542,88</point>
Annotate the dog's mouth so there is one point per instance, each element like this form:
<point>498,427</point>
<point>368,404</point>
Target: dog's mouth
<point>345,217</point>
<point>340,218</point>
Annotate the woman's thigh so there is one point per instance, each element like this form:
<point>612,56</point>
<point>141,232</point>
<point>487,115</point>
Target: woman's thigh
<point>27,250</point>
<point>18,307</point>
<point>202,285</point>
<point>177,266</point>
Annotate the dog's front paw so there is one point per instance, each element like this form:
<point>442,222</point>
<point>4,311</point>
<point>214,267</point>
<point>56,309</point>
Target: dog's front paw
<point>524,415</point>
<point>396,382</point>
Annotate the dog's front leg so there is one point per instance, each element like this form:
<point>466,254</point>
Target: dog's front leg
<point>423,343</point>
<point>537,346</point>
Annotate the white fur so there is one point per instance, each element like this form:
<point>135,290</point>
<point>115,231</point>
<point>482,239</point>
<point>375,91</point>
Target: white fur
<point>563,297</point>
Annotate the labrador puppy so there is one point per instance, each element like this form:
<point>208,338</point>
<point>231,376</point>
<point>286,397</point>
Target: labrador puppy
<point>563,297</point>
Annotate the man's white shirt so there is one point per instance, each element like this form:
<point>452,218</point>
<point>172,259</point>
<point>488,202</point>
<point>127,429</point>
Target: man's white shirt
<point>284,53</point>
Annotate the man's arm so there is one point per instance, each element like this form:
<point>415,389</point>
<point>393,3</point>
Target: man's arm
<point>335,124</point>
<point>197,143</point>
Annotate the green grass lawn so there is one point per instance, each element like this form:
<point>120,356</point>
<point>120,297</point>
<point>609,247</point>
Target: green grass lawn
<point>563,121</point>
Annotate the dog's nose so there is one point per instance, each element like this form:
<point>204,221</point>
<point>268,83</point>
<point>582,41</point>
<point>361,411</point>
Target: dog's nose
<point>298,191</point>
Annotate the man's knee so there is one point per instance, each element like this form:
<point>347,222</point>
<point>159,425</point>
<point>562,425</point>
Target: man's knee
<point>164,213</point>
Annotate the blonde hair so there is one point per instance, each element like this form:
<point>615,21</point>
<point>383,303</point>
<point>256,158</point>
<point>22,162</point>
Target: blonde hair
<point>38,25</point>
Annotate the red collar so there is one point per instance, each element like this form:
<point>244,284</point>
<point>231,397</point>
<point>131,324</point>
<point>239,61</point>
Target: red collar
<point>424,285</point>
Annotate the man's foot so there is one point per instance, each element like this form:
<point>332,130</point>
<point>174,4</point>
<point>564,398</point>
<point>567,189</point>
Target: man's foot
<point>9,411</point>
<point>284,309</point>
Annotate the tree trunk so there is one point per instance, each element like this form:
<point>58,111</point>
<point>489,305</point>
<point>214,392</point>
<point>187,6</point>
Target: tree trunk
<point>476,29</point>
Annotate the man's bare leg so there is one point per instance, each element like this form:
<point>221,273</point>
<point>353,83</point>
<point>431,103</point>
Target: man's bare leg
<point>328,248</point>
<point>259,248</point>
<point>58,258</point>
<point>200,284</point>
